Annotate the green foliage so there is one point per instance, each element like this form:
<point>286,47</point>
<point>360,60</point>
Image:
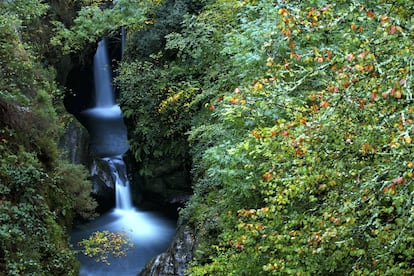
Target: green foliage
<point>97,19</point>
<point>160,113</point>
<point>36,207</point>
<point>72,184</point>
<point>302,154</point>
<point>157,96</point>
<point>150,39</point>
<point>31,239</point>
<point>15,62</point>
<point>21,11</point>
<point>301,128</point>
<point>103,244</point>
<point>298,117</point>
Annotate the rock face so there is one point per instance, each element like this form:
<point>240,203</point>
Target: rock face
<point>103,184</point>
<point>74,143</point>
<point>169,184</point>
<point>175,260</point>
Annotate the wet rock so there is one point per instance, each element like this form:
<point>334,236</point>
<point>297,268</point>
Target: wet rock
<point>174,261</point>
<point>101,173</point>
<point>103,184</point>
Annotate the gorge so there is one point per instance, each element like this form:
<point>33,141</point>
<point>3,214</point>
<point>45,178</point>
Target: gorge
<point>281,131</point>
<point>150,232</point>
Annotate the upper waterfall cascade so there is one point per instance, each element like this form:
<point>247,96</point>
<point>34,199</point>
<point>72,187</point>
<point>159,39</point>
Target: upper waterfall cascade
<point>104,96</point>
<point>107,131</point>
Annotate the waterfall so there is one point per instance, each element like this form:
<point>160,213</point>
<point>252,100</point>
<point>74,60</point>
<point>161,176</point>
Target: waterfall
<point>107,131</point>
<point>150,232</point>
<point>119,173</point>
<point>104,96</point>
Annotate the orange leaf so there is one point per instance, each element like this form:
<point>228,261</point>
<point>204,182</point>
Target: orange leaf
<point>267,176</point>
<point>324,104</point>
<point>353,27</point>
<point>370,14</point>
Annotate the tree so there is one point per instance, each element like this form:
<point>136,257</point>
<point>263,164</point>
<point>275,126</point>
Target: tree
<point>102,18</point>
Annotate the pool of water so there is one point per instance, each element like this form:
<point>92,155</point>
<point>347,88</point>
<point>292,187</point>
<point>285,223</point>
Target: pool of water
<point>150,231</point>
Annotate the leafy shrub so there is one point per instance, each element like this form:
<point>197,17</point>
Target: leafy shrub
<point>30,236</point>
<point>102,244</point>
<point>93,22</point>
<point>71,182</point>
<point>160,93</point>
<point>33,228</point>
<point>307,159</point>
<point>159,115</point>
